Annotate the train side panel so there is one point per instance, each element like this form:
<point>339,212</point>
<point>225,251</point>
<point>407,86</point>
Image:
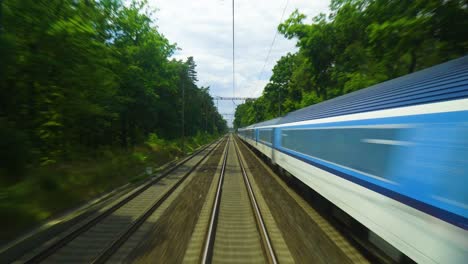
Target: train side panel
<point>423,237</point>
<point>389,173</point>
<point>393,156</point>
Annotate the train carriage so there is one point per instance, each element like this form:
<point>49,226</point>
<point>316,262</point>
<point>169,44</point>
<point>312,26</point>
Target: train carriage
<point>393,156</point>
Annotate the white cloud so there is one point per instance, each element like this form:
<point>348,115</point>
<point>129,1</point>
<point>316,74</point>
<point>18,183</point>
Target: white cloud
<point>203,29</point>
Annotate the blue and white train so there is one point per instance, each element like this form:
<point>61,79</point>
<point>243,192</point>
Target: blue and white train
<point>393,156</point>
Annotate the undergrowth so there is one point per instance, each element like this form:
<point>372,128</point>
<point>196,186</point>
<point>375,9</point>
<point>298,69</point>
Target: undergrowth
<point>49,190</point>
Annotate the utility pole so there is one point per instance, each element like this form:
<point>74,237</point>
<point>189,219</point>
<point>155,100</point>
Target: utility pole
<point>279,101</point>
<point>217,109</point>
<point>183,115</point>
<point>256,113</point>
<point>206,118</point>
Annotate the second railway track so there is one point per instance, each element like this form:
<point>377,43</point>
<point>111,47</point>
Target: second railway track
<point>95,240</point>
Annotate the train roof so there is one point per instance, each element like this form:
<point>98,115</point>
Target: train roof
<point>443,82</point>
<point>261,124</point>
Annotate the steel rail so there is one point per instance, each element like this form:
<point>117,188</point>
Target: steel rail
<point>267,246</point>
<point>210,237</point>
<point>60,243</point>
<point>117,243</point>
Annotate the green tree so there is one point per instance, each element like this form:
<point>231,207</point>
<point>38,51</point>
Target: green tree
<point>76,75</point>
<point>360,43</point>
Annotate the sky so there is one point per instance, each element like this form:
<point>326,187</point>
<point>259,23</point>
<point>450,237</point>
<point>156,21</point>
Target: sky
<point>203,29</point>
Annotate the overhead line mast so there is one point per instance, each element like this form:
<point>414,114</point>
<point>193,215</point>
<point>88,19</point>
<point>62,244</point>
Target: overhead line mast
<point>233,57</point>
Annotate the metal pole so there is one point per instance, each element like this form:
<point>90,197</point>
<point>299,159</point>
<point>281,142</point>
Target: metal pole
<point>279,101</point>
<point>233,57</point>
<point>206,118</point>
<point>183,115</point>
<point>217,106</point>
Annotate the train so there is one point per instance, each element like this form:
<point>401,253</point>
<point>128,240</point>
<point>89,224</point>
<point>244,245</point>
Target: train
<point>393,156</point>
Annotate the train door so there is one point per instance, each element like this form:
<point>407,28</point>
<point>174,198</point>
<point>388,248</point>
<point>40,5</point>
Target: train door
<point>256,136</point>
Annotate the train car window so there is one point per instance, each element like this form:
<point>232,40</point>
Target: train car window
<point>266,135</point>
<point>352,148</point>
<point>250,134</point>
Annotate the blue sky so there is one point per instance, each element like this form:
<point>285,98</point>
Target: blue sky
<point>203,29</point>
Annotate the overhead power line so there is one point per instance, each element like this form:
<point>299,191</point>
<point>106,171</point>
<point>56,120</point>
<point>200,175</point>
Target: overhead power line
<point>233,57</point>
<point>273,42</point>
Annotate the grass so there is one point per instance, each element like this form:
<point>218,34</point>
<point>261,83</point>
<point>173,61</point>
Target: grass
<point>50,190</point>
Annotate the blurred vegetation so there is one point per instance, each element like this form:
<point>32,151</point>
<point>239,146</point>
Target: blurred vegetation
<point>54,188</point>
<point>85,87</point>
<point>360,43</point>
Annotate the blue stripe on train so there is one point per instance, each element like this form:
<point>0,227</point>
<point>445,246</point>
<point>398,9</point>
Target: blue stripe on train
<point>415,197</point>
<point>440,213</point>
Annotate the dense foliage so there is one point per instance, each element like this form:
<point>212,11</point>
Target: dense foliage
<point>360,43</point>
<point>77,75</point>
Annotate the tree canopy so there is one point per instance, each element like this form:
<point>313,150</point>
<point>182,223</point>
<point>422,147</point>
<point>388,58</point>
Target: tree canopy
<point>360,43</point>
<point>84,74</point>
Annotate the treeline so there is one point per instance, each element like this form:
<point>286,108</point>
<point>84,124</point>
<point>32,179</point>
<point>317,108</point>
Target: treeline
<point>360,43</point>
<point>76,75</point>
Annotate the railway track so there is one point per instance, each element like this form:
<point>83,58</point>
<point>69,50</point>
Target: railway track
<point>236,232</point>
<point>100,236</point>
<point>229,220</point>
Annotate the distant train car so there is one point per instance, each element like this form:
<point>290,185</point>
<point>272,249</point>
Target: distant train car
<point>393,156</point>
<point>260,133</point>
